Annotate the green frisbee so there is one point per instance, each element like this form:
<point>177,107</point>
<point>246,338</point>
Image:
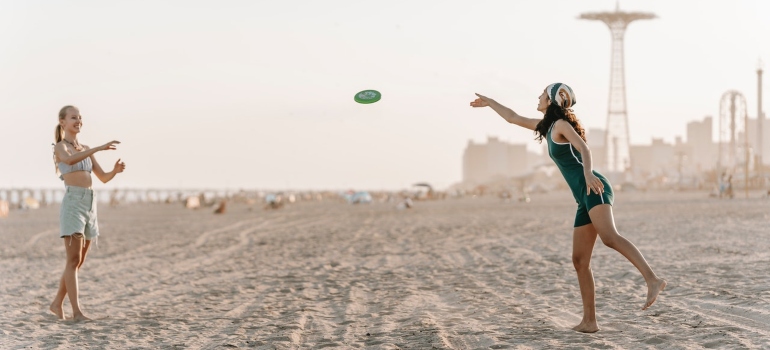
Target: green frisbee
<point>368,96</point>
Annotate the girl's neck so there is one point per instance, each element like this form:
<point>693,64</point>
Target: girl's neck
<point>73,138</point>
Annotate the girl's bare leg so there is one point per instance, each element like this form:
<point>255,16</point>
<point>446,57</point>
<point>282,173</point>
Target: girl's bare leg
<point>583,240</point>
<point>74,246</point>
<point>604,222</point>
<point>83,253</point>
<point>57,306</point>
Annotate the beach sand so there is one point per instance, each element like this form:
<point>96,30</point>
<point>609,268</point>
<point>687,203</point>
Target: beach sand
<point>455,274</point>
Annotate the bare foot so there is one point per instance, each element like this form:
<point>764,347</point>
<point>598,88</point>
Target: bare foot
<point>80,317</point>
<point>56,309</point>
<point>587,327</point>
<point>653,290</point>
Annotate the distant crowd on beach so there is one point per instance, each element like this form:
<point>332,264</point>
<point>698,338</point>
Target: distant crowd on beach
<point>518,191</point>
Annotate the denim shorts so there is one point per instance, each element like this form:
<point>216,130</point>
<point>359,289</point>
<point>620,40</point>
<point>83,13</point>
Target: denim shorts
<point>78,213</point>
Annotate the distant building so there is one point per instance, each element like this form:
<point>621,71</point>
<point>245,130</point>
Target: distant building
<point>765,140</point>
<point>495,160</point>
<point>656,158</point>
<point>697,154</point>
<point>752,127</point>
<point>700,141</point>
<point>596,138</point>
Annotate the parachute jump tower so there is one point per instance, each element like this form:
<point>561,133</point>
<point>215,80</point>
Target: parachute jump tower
<point>618,156</point>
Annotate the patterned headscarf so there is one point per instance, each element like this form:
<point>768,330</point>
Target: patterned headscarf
<point>561,95</point>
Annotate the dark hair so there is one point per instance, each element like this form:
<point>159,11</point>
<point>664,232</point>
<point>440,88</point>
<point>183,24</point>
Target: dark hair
<point>554,113</point>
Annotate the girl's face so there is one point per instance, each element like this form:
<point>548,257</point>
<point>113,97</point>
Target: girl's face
<point>72,122</point>
<point>544,101</point>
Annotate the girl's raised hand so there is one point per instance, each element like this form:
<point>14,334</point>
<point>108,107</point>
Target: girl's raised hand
<point>108,146</point>
<point>119,166</point>
<point>482,101</point>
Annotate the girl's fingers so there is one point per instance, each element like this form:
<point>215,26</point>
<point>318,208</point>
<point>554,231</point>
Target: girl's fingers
<point>596,186</point>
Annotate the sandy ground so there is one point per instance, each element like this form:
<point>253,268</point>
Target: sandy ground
<point>455,274</point>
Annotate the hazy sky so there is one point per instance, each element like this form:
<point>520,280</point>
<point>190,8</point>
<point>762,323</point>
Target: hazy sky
<point>259,94</point>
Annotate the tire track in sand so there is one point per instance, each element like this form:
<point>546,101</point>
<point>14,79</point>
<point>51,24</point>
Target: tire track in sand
<point>246,309</point>
<point>38,236</point>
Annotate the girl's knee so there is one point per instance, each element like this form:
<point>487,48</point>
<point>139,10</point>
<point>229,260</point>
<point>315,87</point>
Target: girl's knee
<point>581,261</point>
<point>611,239</point>
<point>74,262</point>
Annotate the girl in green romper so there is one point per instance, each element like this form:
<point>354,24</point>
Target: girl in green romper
<point>593,193</point>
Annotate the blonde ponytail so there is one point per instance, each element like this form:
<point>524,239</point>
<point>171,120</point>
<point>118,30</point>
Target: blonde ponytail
<point>59,134</point>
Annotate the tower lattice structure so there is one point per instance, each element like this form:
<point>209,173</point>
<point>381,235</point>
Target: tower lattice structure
<point>618,154</point>
<point>733,136</point>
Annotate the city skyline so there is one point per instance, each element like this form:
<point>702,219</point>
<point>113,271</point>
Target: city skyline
<point>691,161</point>
<point>263,92</point>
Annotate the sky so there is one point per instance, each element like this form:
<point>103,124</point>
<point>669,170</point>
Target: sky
<point>257,94</point>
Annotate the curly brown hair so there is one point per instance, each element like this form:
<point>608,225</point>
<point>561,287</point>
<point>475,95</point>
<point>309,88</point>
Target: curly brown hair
<point>554,113</point>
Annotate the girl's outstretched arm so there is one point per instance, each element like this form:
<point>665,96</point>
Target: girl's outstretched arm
<point>68,158</point>
<point>505,112</point>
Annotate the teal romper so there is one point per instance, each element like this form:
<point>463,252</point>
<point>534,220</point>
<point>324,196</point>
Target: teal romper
<point>570,163</point>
